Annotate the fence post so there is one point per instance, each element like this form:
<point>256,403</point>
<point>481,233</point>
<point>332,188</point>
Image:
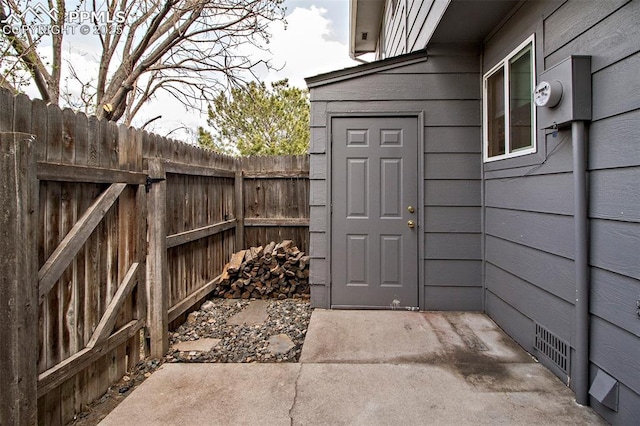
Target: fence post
<point>157,287</point>
<point>18,280</point>
<point>239,201</point>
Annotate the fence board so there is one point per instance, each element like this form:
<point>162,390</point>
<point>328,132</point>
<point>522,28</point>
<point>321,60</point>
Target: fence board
<point>75,238</point>
<point>105,327</point>
<point>157,290</point>
<point>276,201</point>
<point>18,228</point>
<point>6,106</point>
<point>78,173</point>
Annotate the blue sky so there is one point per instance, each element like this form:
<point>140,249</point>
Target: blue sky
<point>337,11</point>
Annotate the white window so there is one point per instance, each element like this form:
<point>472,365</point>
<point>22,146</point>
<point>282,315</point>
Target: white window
<point>508,111</point>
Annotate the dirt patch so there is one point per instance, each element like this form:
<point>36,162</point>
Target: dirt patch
<point>99,409</point>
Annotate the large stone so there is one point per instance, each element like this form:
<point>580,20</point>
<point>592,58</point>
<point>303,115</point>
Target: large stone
<point>254,313</point>
<point>208,306</point>
<point>280,344</point>
<point>200,345</point>
<point>192,318</point>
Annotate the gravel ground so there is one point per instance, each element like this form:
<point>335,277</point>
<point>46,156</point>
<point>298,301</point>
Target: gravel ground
<point>240,343</point>
<point>243,343</point>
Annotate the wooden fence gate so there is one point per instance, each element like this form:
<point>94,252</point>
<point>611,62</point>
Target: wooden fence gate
<point>108,231</point>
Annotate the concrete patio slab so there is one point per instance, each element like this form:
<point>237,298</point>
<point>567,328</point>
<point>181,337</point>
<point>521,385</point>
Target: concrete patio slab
<point>368,368</point>
<point>414,394</point>
<point>406,337</point>
<point>211,394</point>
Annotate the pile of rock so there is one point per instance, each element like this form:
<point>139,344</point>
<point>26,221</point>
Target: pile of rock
<point>275,271</point>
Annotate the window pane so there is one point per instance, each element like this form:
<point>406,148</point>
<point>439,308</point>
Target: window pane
<point>495,113</point>
<point>520,100</point>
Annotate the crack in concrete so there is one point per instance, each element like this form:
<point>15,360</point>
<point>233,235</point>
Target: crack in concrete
<point>295,395</point>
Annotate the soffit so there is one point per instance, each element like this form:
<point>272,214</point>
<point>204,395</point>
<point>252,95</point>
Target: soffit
<point>467,21</point>
<point>365,18</point>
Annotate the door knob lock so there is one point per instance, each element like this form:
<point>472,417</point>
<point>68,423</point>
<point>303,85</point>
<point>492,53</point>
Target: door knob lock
<point>411,209</point>
<point>411,224</point>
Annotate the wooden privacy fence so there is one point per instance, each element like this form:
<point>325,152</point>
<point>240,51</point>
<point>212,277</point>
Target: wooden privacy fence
<point>108,231</point>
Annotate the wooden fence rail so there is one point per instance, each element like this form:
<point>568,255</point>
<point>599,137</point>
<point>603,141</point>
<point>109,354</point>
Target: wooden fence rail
<point>109,231</point>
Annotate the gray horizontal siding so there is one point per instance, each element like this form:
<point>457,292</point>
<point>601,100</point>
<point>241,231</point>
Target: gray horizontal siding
<point>318,167</point>
<point>617,138</point>
<point>558,159</point>
<point>417,16</point>
<point>452,192</point>
<point>545,193</point>
<point>318,193</point>
<point>513,322</point>
<point>452,140</point>
<point>621,29</point>
<point>318,116</point>
<point>611,88</point>
<point>429,24</point>
<point>466,62</point>
<point>573,19</point>
<point>613,299</point>
<point>615,194</point>
<point>550,233</point>
<point>318,143</point>
<point>452,166</point>
<point>437,112</point>
<point>452,219</point>
<point>318,271</point>
<point>445,90</point>
<point>317,275</point>
<point>528,210</point>
<point>318,245</point>
<point>452,246</point>
<point>531,301</point>
<point>394,29</point>
<point>453,298</point>
<point>453,272</point>
<point>402,86</point>
<point>551,273</point>
<point>514,31</point>
<point>318,219</point>
<point>411,26</point>
<point>616,352</point>
<point>615,247</point>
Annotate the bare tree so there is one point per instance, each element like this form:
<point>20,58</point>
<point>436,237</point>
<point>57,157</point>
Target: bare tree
<point>191,49</point>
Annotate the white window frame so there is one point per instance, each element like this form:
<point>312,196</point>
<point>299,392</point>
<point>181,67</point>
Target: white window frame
<point>504,64</point>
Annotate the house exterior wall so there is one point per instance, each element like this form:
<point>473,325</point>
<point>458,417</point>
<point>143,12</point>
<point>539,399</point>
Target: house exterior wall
<point>444,90</point>
<point>408,24</point>
<point>524,234</point>
<point>528,203</point>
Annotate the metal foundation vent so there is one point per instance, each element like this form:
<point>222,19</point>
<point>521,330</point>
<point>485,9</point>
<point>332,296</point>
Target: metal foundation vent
<point>554,348</point>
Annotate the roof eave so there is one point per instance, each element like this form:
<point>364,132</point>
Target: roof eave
<point>364,16</point>
<point>366,69</point>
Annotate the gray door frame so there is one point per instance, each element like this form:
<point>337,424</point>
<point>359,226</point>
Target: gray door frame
<point>419,116</point>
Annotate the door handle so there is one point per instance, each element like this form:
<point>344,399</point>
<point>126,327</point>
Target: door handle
<point>411,224</point>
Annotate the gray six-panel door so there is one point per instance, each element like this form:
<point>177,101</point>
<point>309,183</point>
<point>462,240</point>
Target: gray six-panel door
<point>374,197</point>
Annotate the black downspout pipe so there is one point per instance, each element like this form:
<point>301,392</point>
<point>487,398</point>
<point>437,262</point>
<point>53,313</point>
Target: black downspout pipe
<point>581,238</point>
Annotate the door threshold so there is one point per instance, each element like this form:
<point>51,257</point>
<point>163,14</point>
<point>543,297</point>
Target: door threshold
<point>378,308</point>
